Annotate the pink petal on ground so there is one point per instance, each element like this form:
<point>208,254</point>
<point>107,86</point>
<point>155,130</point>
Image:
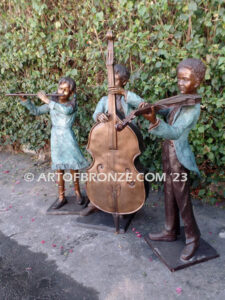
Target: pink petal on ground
<point>139,235</point>
<point>17,182</point>
<point>150,258</point>
<point>210,232</point>
<point>1,166</point>
<point>10,206</point>
<point>5,172</point>
<point>6,209</point>
<point>43,242</point>
<point>21,217</point>
<point>71,250</point>
<point>133,229</point>
<point>33,219</point>
<point>178,290</point>
<point>61,247</point>
<point>53,245</point>
<point>137,232</point>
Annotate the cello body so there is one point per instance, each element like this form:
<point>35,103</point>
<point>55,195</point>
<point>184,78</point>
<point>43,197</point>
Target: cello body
<point>122,190</point>
<point>114,184</point>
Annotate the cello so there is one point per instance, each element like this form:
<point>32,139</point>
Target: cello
<point>114,154</point>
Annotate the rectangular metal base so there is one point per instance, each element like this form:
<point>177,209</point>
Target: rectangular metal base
<point>104,221</point>
<point>70,208</point>
<point>169,253</point>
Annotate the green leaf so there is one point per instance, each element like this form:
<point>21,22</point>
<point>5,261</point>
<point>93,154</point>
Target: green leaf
<point>221,60</point>
<point>74,72</point>
<point>201,192</point>
<point>211,156</point>
<point>161,44</point>
<point>57,25</point>
<point>201,129</point>
<point>210,140</point>
<point>192,6</point>
<point>100,16</point>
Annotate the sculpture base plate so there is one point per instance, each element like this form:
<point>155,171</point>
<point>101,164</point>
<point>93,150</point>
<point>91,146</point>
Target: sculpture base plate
<point>169,253</point>
<point>70,208</point>
<point>100,220</point>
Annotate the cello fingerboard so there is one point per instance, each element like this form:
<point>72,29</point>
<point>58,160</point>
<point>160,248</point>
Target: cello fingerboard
<point>112,132</point>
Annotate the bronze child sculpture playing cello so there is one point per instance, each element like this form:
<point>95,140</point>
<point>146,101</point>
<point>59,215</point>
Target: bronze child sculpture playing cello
<point>115,152</point>
<point>125,101</point>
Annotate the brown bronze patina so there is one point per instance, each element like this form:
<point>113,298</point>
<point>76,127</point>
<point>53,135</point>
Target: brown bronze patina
<point>114,153</point>
<point>180,120</point>
<point>33,95</point>
<point>181,100</point>
<point>62,112</point>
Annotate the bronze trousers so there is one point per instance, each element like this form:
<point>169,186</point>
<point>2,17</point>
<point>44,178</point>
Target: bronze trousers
<point>177,195</point>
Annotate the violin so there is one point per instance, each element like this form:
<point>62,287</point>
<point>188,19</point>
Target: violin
<point>181,100</point>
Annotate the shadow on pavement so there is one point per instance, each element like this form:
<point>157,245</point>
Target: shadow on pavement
<point>25,275</point>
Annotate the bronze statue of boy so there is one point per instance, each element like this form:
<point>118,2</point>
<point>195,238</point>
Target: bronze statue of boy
<point>178,159</point>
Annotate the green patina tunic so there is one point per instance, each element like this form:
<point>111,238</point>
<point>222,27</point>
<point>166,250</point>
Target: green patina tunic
<point>130,103</point>
<point>65,151</point>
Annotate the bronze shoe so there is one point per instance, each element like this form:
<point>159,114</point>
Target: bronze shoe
<point>163,236</point>
<point>59,203</point>
<point>79,199</point>
<point>189,250</point>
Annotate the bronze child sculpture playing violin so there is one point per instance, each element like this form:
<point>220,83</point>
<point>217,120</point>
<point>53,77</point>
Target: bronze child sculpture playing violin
<point>178,159</point>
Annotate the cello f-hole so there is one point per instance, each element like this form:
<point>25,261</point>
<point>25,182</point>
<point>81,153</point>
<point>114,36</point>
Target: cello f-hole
<point>100,168</point>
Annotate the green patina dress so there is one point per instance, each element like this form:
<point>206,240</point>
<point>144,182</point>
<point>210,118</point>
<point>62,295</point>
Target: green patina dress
<point>65,152</point>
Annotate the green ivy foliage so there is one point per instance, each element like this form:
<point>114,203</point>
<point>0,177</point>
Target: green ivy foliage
<point>44,40</point>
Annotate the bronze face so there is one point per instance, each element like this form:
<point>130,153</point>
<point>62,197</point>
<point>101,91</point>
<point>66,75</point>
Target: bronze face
<point>187,81</point>
<point>64,89</point>
<point>119,82</point>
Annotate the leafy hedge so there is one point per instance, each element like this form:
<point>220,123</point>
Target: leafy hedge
<point>43,40</point>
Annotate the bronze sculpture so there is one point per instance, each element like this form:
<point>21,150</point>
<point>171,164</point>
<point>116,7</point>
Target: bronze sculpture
<point>185,99</point>
<point>65,152</point>
<point>178,159</point>
<point>114,152</point>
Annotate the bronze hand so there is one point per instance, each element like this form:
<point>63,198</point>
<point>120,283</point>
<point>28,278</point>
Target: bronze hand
<point>151,117</point>
<point>117,91</point>
<point>102,118</point>
<point>41,95</point>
